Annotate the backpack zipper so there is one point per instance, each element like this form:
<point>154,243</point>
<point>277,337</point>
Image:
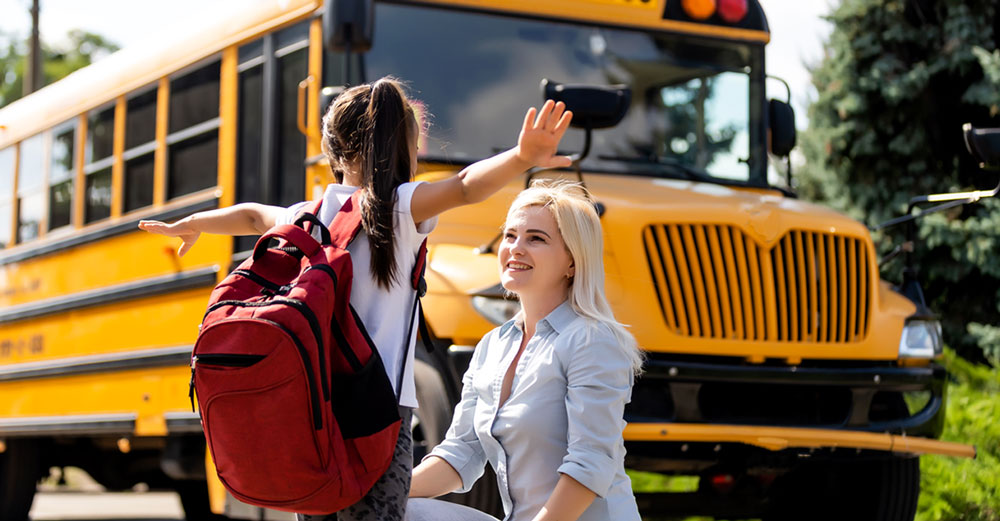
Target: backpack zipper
<point>335,329</point>
<point>257,278</point>
<point>320,345</point>
<point>229,359</point>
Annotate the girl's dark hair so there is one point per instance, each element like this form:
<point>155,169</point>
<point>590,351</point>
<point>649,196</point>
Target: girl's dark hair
<point>371,126</point>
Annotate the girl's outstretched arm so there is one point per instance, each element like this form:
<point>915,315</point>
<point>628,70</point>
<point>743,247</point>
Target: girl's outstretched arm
<point>536,146</point>
<point>240,219</point>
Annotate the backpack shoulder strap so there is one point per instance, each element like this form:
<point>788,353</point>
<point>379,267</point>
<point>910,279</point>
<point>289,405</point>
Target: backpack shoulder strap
<point>347,222</point>
<point>416,314</point>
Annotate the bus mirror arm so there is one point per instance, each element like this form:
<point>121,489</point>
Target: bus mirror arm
<point>947,201</point>
<point>983,144</point>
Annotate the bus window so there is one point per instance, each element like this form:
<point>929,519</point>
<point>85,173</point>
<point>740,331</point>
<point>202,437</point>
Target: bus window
<point>292,53</point>
<point>6,194</point>
<point>140,146</point>
<point>30,189</point>
<point>62,167</point>
<point>99,156</point>
<point>193,126</point>
<point>249,143</point>
<point>270,149</point>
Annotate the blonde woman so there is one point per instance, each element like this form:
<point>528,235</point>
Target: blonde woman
<point>544,396</point>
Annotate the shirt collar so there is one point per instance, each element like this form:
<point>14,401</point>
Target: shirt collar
<point>558,319</point>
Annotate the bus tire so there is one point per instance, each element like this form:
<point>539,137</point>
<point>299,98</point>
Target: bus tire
<point>430,423</point>
<point>19,473</point>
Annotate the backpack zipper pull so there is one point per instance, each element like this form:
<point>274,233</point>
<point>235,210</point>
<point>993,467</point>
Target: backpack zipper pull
<point>194,361</point>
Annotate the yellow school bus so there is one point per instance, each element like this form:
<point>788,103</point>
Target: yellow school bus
<point>782,372</point>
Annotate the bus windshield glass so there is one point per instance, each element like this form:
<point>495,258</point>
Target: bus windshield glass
<point>476,74</point>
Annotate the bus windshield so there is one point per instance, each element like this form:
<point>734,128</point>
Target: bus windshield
<point>476,74</point>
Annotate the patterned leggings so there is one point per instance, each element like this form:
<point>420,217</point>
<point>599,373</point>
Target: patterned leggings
<point>386,501</point>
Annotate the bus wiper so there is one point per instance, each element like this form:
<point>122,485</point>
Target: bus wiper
<point>692,173</point>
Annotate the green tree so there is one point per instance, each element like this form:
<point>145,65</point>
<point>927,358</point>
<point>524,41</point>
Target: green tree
<point>898,80</point>
<point>81,49</point>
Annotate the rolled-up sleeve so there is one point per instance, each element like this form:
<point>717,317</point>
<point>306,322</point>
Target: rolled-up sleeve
<point>461,447</point>
<point>598,381</point>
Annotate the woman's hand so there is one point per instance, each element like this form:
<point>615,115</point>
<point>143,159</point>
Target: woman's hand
<point>540,135</point>
<point>180,229</point>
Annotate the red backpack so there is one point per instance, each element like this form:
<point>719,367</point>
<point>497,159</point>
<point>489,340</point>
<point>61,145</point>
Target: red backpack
<point>297,409</point>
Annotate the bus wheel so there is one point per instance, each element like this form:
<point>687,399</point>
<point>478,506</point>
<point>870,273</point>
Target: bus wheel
<point>19,473</point>
<point>430,423</point>
<point>883,489</point>
<point>194,500</point>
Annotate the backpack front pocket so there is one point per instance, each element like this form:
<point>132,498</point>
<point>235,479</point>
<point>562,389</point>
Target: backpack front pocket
<point>263,441</point>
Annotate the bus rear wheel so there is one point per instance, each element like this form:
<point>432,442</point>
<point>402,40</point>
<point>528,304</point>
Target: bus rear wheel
<point>19,472</point>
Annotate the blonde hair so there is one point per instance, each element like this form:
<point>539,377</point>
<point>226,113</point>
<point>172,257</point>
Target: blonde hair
<point>580,226</point>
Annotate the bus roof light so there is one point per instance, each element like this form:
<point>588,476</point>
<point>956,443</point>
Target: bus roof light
<point>699,9</point>
<point>732,11</point>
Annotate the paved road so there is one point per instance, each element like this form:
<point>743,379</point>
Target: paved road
<point>104,506</point>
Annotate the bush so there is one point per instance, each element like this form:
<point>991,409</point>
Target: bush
<point>959,489</point>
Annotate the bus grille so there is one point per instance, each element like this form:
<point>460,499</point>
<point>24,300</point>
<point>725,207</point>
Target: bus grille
<point>714,281</point>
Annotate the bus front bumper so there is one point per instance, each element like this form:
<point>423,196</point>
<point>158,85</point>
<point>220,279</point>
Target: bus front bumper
<point>877,405</point>
<point>780,438</point>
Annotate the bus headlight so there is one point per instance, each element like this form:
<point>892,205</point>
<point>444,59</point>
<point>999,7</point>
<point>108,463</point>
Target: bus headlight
<point>921,339</point>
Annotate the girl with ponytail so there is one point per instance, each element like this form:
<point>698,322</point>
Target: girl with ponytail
<point>370,136</point>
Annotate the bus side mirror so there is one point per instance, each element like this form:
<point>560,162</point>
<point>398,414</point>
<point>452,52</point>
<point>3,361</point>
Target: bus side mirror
<point>983,144</point>
<point>781,123</point>
<point>348,25</point>
<point>593,106</point>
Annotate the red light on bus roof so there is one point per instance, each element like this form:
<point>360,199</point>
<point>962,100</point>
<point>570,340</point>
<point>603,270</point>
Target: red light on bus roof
<point>732,11</point>
<point>699,9</point>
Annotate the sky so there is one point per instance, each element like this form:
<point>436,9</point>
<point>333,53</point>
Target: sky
<point>797,31</point>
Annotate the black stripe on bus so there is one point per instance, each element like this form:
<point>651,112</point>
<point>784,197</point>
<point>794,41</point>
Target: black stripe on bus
<point>84,424</point>
<point>108,295</point>
<point>147,359</point>
<point>121,228</point>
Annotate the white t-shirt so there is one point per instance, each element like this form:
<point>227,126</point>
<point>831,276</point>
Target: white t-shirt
<point>385,313</point>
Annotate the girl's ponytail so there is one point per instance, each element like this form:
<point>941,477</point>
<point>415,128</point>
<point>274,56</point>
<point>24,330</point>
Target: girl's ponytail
<point>385,164</point>
<point>369,127</point>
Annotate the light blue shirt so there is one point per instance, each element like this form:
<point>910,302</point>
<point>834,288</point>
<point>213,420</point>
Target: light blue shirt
<point>564,415</point>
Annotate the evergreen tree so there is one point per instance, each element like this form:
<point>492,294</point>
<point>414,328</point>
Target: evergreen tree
<point>898,80</point>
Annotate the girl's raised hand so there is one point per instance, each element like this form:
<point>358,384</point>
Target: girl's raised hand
<point>541,133</point>
<point>177,229</point>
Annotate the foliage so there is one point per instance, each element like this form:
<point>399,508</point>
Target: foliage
<point>898,80</point>
<point>80,50</point>
<point>955,489</point>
